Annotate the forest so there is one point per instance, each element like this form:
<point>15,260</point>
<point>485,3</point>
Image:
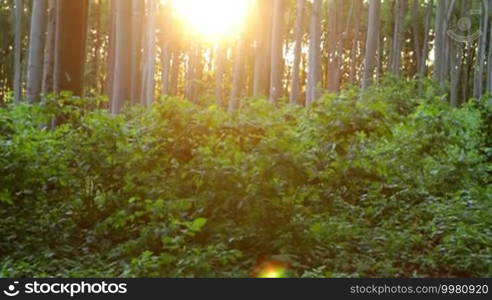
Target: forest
<point>246,138</point>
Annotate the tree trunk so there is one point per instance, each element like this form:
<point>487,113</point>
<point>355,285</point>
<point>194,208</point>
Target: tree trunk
<point>49,57</point>
<point>481,53</point>
<point>263,50</point>
<point>371,43</point>
<point>220,57</point>
<point>425,44</point>
<point>166,41</point>
<point>489,59</point>
<point>295,83</point>
<point>36,50</point>
<point>137,33</point>
<point>314,69</point>
<point>440,42</point>
<point>148,78</point>
<point>237,76</point>
<point>277,51</point>
<point>355,41</point>
<point>19,11</point>
<point>173,89</point>
<point>70,34</point>
<point>121,87</point>
<point>398,32</point>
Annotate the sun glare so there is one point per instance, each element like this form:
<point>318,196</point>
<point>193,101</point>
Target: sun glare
<point>213,19</point>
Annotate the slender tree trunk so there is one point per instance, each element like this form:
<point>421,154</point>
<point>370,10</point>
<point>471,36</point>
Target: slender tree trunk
<point>295,83</point>
<point>193,71</point>
<point>220,57</point>
<point>49,57</point>
<point>36,50</point>
<point>425,44</point>
<point>398,32</point>
<point>417,32</point>
<point>482,48</point>
<point>263,50</point>
<point>237,76</point>
<point>121,83</point>
<point>19,11</point>
<point>175,72</point>
<point>277,51</point>
<point>334,40</point>
<point>489,58</point>
<point>314,70</point>
<point>371,43</point>
<point>137,34</point>
<point>148,78</point>
<point>71,34</point>
<point>166,41</point>
<point>440,42</point>
<point>355,41</point>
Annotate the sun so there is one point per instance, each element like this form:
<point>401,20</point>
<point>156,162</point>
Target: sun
<point>213,19</point>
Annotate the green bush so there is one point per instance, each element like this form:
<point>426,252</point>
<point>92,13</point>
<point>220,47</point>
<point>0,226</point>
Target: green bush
<point>385,183</point>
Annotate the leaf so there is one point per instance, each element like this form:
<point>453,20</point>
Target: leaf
<point>197,224</point>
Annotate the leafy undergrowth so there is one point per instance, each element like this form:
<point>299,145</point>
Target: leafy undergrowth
<point>388,184</point>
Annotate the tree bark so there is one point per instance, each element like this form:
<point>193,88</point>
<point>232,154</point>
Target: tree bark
<point>396,47</point>
<point>36,50</point>
<point>371,43</point>
<point>220,57</point>
<point>277,51</point>
<point>314,69</point>
<point>166,42</point>
<point>19,11</point>
<point>422,66</point>
<point>263,50</point>
<point>237,76</point>
<point>137,33</point>
<point>355,41</point>
<point>121,83</point>
<point>70,34</point>
<point>49,57</point>
<point>481,53</point>
<point>295,83</point>
<point>148,78</point>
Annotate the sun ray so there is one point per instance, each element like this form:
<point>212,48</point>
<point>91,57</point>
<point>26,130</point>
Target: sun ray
<point>213,19</point>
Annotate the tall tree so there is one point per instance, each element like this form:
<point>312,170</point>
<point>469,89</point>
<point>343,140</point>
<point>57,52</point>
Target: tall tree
<point>298,34</point>
<point>149,54</point>
<point>49,49</point>
<point>166,41</point>
<point>137,33</point>
<point>334,44</point>
<point>398,32</point>
<point>263,49</point>
<point>220,57</point>
<point>36,50</point>
<point>371,42</point>
<point>277,51</point>
<point>71,29</point>
<point>314,67</point>
<point>19,11</point>
<point>489,58</point>
<point>440,42</point>
<point>237,75</point>
<point>478,87</point>
<point>357,9</point>
<point>121,80</point>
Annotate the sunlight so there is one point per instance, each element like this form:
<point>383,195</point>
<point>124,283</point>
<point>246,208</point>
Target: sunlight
<point>214,19</point>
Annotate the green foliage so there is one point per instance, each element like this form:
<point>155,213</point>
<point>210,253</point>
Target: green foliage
<point>380,184</point>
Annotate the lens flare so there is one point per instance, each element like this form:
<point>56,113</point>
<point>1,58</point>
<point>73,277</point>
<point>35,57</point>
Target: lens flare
<point>272,270</point>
